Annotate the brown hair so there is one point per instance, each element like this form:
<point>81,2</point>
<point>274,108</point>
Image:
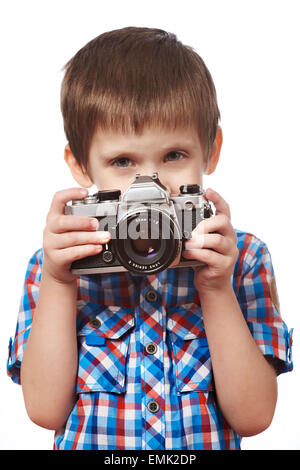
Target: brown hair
<point>133,77</point>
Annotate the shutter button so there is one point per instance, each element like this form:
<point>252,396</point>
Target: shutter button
<point>151,296</point>
<point>95,323</point>
<point>151,348</point>
<point>153,406</point>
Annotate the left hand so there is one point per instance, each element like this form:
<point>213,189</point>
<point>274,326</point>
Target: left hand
<point>217,250</point>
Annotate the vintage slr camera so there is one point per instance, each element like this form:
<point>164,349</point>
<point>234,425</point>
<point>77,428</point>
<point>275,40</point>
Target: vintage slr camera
<point>148,226</point>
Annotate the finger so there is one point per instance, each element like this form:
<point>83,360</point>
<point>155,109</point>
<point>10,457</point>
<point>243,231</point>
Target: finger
<point>218,223</point>
<point>214,241</point>
<point>73,253</point>
<point>68,239</point>
<point>220,204</point>
<point>209,257</point>
<point>71,223</point>
<point>61,198</point>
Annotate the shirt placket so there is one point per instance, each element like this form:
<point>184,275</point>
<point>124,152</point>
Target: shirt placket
<point>152,339</point>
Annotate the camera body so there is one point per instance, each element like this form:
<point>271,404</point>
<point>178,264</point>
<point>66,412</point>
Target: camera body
<point>148,226</point>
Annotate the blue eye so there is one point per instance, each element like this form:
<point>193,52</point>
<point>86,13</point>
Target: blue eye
<point>177,156</point>
<point>120,162</point>
<point>124,162</point>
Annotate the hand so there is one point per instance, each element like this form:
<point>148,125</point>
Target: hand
<point>68,238</point>
<point>217,250</point>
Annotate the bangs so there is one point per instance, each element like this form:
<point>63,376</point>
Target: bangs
<point>133,115</point>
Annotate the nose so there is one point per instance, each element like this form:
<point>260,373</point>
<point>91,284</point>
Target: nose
<point>167,186</point>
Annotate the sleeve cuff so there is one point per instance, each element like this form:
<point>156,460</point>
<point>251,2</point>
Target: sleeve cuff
<point>276,342</point>
<point>13,364</point>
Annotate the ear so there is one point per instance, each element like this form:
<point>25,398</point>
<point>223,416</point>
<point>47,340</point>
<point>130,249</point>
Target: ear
<point>215,153</point>
<point>79,174</point>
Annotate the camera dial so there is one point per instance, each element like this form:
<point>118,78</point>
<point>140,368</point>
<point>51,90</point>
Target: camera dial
<point>190,189</point>
<point>108,195</point>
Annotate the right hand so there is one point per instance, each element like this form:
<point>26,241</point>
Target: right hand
<point>67,238</point>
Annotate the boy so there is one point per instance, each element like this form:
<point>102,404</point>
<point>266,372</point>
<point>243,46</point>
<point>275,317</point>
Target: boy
<point>187,358</point>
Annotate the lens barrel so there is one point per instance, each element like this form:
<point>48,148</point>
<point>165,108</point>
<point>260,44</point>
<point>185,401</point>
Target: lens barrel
<point>147,241</point>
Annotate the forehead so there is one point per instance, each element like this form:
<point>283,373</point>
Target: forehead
<point>151,138</point>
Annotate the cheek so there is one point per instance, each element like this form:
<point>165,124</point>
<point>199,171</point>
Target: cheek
<point>106,181</point>
<point>190,175</point>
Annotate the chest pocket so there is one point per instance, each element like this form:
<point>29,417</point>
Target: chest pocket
<point>188,347</point>
<point>103,343</point>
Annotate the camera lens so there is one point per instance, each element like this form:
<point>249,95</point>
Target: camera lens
<point>147,248</point>
<point>147,241</point>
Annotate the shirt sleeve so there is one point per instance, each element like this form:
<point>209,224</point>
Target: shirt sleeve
<point>259,302</point>
<point>28,302</point>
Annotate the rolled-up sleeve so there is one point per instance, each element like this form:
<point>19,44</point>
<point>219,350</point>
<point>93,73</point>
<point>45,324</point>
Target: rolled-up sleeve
<point>258,298</point>
<point>28,302</point>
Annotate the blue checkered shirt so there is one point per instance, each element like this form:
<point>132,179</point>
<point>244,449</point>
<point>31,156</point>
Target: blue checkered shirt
<point>145,378</point>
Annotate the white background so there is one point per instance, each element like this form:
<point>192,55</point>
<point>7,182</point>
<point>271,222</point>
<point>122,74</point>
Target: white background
<point>252,50</point>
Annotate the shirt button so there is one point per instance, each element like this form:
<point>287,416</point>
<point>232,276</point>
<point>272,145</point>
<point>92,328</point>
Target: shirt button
<point>151,296</point>
<point>153,406</point>
<point>95,323</point>
<point>151,348</point>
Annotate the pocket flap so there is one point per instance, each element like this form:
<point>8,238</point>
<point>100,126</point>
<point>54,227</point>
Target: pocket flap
<point>110,322</point>
<point>186,322</point>
<point>189,349</point>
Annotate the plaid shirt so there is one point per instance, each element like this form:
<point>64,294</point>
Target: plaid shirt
<point>145,377</point>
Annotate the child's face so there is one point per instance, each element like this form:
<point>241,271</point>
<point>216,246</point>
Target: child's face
<point>115,158</point>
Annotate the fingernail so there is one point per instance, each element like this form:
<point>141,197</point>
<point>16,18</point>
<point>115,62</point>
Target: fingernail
<point>94,223</point>
<point>103,236</point>
<point>83,192</point>
<point>188,244</point>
